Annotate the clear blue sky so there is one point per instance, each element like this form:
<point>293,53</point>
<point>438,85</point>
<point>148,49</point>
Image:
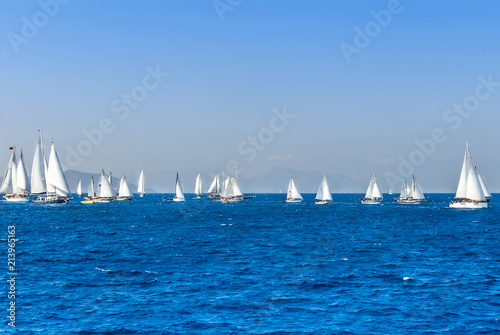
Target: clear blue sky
<point>225,77</point>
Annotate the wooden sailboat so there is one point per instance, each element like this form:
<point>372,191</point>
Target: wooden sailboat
<point>179,194</point>
<point>232,192</point>
<point>140,188</point>
<point>469,193</point>
<point>411,195</point>
<point>15,185</point>
<point>324,196</point>
<point>293,194</point>
<point>373,194</point>
<point>124,193</point>
<point>198,188</point>
<point>105,193</point>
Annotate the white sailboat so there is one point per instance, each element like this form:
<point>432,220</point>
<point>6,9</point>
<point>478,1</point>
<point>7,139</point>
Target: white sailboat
<point>179,194</point>
<point>390,190</point>
<point>469,193</point>
<point>140,188</point>
<point>232,193</point>
<point>373,194</point>
<point>106,193</point>
<point>411,195</point>
<point>293,194</point>
<point>324,196</point>
<point>91,196</point>
<point>124,193</point>
<point>198,188</point>
<point>79,188</point>
<point>15,185</point>
<point>214,189</point>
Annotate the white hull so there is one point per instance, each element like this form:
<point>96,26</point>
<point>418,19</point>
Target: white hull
<point>16,198</point>
<point>409,202</point>
<point>468,204</point>
<point>293,200</point>
<point>371,202</point>
<point>179,199</point>
<point>323,202</point>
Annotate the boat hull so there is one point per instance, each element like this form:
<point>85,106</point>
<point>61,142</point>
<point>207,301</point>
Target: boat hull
<point>123,198</point>
<point>52,200</point>
<point>179,199</point>
<point>293,200</point>
<point>323,202</point>
<point>371,202</point>
<point>409,202</point>
<point>469,204</point>
<point>16,198</point>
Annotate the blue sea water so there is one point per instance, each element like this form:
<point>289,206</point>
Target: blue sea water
<point>258,267</point>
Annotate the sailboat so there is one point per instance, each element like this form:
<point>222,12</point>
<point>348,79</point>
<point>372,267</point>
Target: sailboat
<point>390,190</point>
<point>411,195</point>
<point>324,196</point>
<point>140,188</point>
<point>469,193</point>
<point>79,189</point>
<point>90,198</point>
<point>198,188</point>
<point>214,189</point>
<point>373,194</point>
<point>232,192</point>
<point>15,185</point>
<point>124,193</point>
<point>179,194</point>
<point>293,194</point>
<point>57,189</point>
<point>106,193</point>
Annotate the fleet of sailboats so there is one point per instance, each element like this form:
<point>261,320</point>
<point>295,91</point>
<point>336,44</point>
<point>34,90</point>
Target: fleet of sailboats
<point>373,194</point>
<point>293,194</point>
<point>48,184</point>
<point>471,191</point>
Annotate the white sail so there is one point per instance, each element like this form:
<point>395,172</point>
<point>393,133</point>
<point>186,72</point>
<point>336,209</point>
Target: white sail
<point>198,186</point>
<point>369,191</point>
<point>324,193</point>
<point>55,175</point>
<point>140,187</point>
<point>486,192</point>
<point>462,183</point>
<point>373,191</point>
<point>474,190</point>
<point>225,185</point>
<point>91,189</point>
<point>404,190</point>
<point>233,189</point>
<point>110,179</point>
<point>179,194</point>
<point>105,190</point>
<point>124,190</point>
<point>22,181</point>
<point>38,182</point>
<point>293,192</point>
<point>79,188</point>
<point>7,183</point>
<point>416,191</point>
<point>214,187</point>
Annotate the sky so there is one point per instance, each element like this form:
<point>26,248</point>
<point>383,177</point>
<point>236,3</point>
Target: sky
<point>341,87</point>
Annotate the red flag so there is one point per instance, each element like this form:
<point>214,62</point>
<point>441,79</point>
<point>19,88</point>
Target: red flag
<point>11,148</point>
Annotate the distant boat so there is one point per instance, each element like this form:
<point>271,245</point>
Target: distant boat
<point>79,188</point>
<point>214,190</point>
<point>232,191</point>
<point>293,194</point>
<point>106,193</point>
<point>470,192</point>
<point>411,195</point>
<point>91,197</point>
<point>179,194</point>
<point>198,188</point>
<point>373,194</point>
<point>124,193</point>
<point>390,190</point>
<point>324,196</point>
<point>140,188</point>
<point>15,185</point>
<point>57,189</point>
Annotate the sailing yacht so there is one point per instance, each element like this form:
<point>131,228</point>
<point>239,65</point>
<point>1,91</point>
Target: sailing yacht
<point>90,198</point>
<point>79,189</point>
<point>293,194</point>
<point>324,196</point>
<point>232,192</point>
<point>15,185</point>
<point>469,193</point>
<point>198,188</point>
<point>411,195</point>
<point>57,189</point>
<point>140,188</point>
<point>179,194</point>
<point>214,190</point>
<point>106,193</point>
<point>373,194</point>
<point>390,190</point>
<point>124,193</point>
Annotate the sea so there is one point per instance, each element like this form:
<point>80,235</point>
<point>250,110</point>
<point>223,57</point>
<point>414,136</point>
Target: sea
<point>262,266</point>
